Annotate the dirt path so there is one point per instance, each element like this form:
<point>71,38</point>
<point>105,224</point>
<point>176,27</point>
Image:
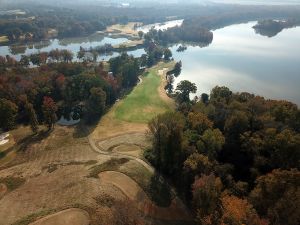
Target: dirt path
<point>71,216</point>
<point>176,211</point>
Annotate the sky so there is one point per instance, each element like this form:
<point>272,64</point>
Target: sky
<point>251,2</point>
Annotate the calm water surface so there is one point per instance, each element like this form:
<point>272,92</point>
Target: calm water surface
<point>74,44</point>
<point>237,58</point>
<point>160,26</point>
<point>244,61</point>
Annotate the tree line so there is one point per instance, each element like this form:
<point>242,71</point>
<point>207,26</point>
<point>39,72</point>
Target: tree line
<point>233,157</point>
<point>43,94</point>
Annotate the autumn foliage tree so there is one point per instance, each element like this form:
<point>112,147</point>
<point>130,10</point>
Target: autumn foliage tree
<point>34,124</point>
<point>8,113</point>
<point>167,137</point>
<point>49,111</point>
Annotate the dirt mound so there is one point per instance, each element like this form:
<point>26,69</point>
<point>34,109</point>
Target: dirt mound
<point>3,190</point>
<point>67,217</point>
<point>134,192</point>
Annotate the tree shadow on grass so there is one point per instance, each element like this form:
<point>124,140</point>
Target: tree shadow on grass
<point>23,144</point>
<point>160,191</point>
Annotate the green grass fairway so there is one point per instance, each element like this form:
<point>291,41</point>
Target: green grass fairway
<point>144,102</point>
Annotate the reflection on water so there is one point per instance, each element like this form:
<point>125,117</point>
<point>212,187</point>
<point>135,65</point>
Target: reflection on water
<point>160,26</point>
<point>72,44</point>
<point>244,61</point>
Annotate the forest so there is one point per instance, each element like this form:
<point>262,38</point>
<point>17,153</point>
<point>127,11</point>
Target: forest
<point>61,87</point>
<point>148,148</point>
<point>233,157</point>
<point>44,22</point>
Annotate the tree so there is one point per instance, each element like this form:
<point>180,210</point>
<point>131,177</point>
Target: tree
<point>206,199</point>
<point>177,69</point>
<point>67,55</point>
<point>184,88</point>
<point>277,195</point>
<point>167,137</point>
<point>32,117</point>
<point>211,143</point>
<point>204,98</point>
<point>80,54</point>
<point>198,164</point>
<point>239,211</point>
<point>96,102</point>
<point>220,94</point>
<point>35,59</point>
<point>141,34</point>
<point>167,54</point>
<point>49,111</point>
<point>25,60</point>
<point>236,124</point>
<point>8,113</point>
<point>199,122</point>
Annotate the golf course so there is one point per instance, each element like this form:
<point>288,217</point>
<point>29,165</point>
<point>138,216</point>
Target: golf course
<point>72,168</point>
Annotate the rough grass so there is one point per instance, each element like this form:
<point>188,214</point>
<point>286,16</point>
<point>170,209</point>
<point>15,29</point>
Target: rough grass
<point>54,166</point>
<point>156,189</point>
<point>112,164</point>
<point>105,200</point>
<point>144,102</point>
<point>41,214</point>
<point>12,183</point>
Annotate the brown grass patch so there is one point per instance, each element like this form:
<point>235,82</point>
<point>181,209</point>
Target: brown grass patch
<point>113,164</point>
<point>12,183</point>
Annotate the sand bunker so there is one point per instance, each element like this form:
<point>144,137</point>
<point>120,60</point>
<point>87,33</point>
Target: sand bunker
<point>134,192</point>
<point>67,217</point>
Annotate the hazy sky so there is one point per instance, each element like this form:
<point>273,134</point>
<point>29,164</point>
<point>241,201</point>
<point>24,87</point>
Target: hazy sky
<point>259,2</point>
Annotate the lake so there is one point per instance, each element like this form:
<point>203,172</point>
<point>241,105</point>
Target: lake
<point>74,44</point>
<point>245,61</point>
<point>71,44</point>
<point>237,58</point>
<point>160,26</point>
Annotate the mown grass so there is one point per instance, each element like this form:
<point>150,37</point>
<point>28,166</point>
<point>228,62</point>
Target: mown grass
<point>144,102</point>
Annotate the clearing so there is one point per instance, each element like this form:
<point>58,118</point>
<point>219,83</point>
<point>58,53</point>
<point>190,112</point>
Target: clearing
<point>126,29</point>
<point>3,39</point>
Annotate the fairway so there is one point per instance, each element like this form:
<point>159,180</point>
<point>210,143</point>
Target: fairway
<point>145,101</point>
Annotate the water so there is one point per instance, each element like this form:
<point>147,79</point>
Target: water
<point>71,44</point>
<point>244,61</point>
<point>237,58</point>
<point>160,26</point>
<point>74,44</point>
